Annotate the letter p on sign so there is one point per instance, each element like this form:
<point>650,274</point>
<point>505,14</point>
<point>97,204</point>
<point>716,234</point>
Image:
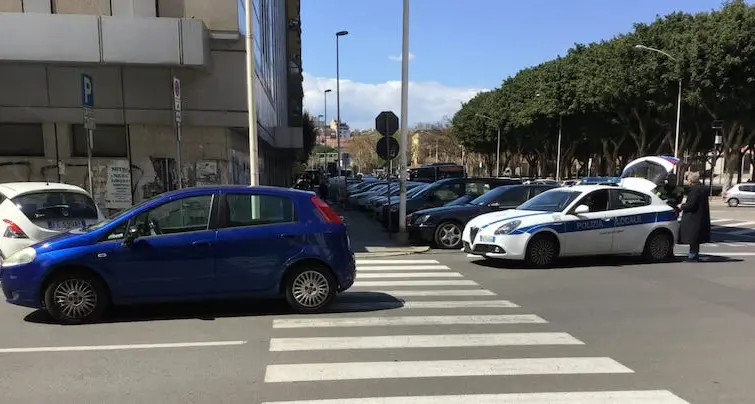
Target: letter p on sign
<point>87,91</point>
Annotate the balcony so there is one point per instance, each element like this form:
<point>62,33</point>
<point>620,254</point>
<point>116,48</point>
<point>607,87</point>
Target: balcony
<point>104,40</point>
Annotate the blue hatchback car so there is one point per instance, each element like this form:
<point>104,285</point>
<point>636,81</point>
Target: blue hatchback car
<point>222,242</point>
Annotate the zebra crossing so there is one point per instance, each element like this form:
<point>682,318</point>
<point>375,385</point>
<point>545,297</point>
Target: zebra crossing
<point>731,227</point>
<point>431,311</point>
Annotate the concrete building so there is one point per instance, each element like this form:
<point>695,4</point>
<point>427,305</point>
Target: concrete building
<point>344,132</point>
<point>132,49</point>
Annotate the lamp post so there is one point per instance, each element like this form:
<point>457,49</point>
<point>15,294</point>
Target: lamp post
<point>254,177</point>
<point>325,112</point>
<point>498,147</point>
<point>679,96</point>
<point>339,34</point>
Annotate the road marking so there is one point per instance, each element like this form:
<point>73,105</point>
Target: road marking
<point>376,275</point>
<point>721,220</point>
<point>721,254</point>
<point>580,397</point>
<point>415,283</point>
<point>325,322</point>
<point>444,368</point>
<point>422,341</point>
<point>397,262</point>
<point>120,347</point>
<point>450,292</point>
<point>453,304</point>
<point>401,268</point>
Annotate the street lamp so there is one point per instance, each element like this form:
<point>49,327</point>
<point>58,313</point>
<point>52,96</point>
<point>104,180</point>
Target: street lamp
<point>679,97</point>
<point>339,34</point>
<point>325,110</point>
<point>498,148</point>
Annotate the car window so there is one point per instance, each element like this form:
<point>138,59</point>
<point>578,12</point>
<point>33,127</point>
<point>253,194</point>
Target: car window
<point>447,193</point>
<point>118,233</point>
<point>555,200</point>
<point>47,205</point>
<point>513,196</point>
<point>256,210</point>
<point>747,188</point>
<point>177,216</point>
<point>597,201</point>
<point>535,191</point>
<point>476,188</point>
<point>625,199</point>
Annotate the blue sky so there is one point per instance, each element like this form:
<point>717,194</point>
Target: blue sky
<point>458,47</point>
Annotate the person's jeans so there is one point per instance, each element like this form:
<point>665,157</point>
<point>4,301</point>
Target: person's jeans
<point>694,251</point>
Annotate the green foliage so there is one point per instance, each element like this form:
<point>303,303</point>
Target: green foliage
<point>309,137</point>
<point>616,102</point>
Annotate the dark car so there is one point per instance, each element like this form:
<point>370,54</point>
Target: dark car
<point>443,226</point>
<point>442,192</point>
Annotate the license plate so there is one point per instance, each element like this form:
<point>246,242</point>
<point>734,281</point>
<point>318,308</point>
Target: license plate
<point>65,224</point>
<point>487,239</point>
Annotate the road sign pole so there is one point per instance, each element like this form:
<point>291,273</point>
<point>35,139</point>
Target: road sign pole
<point>87,105</point>
<point>178,117</point>
<point>390,171</point>
<point>90,146</point>
<point>404,121</point>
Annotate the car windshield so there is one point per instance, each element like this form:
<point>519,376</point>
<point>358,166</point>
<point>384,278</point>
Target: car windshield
<point>464,200</point>
<point>489,197</point>
<point>555,200</point>
<point>117,216</point>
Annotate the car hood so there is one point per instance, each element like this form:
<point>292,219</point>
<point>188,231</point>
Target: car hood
<point>531,216</point>
<point>450,210</point>
<point>646,173</point>
<point>64,240</point>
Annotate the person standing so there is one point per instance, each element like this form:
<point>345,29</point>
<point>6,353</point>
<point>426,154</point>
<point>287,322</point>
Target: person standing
<point>695,226</point>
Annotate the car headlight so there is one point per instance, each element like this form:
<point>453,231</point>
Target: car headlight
<point>508,227</point>
<point>20,257</point>
<point>422,219</point>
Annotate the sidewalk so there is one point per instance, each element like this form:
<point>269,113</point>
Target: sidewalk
<point>370,239</point>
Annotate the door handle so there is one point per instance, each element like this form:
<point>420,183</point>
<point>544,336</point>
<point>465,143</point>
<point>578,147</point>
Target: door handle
<point>607,219</point>
<point>201,243</point>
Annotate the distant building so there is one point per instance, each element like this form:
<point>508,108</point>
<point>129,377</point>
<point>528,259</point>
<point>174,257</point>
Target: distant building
<point>345,131</point>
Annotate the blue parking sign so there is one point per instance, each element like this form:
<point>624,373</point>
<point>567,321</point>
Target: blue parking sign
<point>87,91</point>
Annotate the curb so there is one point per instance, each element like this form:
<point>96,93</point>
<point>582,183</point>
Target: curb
<point>390,253</point>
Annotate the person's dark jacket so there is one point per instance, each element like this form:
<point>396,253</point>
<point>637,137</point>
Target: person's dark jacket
<point>695,225</point>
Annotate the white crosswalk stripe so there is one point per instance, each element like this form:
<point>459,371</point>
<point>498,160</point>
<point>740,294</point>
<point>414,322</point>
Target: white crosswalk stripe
<point>434,315</point>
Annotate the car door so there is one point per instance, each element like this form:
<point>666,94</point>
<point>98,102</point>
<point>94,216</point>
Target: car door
<point>589,233</point>
<point>748,193</point>
<point>632,222</point>
<point>258,234</point>
<point>173,255</point>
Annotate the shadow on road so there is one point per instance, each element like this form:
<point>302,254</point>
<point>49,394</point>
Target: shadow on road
<point>599,261</point>
<point>348,302</point>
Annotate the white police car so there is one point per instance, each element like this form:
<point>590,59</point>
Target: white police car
<point>584,220</point>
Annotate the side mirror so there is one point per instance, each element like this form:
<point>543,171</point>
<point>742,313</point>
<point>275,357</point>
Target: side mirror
<point>581,209</point>
<point>131,235</point>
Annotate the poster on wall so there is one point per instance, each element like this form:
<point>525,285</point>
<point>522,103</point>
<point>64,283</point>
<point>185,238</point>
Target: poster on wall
<point>118,188</point>
<point>206,173</point>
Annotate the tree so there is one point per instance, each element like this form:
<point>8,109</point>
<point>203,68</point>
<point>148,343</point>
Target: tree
<point>309,136</point>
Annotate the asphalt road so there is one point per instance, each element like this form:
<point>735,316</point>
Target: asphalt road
<point>608,330</point>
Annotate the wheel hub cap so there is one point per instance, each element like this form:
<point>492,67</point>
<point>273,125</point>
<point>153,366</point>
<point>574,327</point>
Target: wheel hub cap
<point>76,298</point>
<point>311,288</point>
<point>450,235</point>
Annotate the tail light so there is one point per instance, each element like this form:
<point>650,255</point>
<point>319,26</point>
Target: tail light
<point>13,231</point>
<point>326,211</point>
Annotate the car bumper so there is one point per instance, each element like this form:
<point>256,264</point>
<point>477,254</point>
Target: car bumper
<point>423,233</point>
<point>19,287</point>
<point>499,246</point>
<point>347,273</point>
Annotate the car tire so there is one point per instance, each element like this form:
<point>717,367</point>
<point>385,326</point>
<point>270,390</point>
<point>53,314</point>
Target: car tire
<point>310,288</point>
<point>542,251</point>
<point>76,297</point>
<point>659,247</point>
<point>448,235</point>
<point>733,202</point>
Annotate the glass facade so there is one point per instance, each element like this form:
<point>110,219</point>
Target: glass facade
<point>267,16</point>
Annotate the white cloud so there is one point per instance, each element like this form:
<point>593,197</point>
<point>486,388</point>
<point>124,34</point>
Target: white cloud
<point>429,102</point>
<point>397,58</point>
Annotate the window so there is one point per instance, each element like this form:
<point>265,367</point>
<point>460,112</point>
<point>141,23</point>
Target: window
<point>476,188</point>
<point>109,141</point>
<point>179,216</point>
<point>256,210</point>
<point>22,140</point>
<point>629,199</point>
<point>58,205</point>
<point>514,196</point>
<point>447,193</point>
<point>555,200</point>
<point>534,191</point>
<point>597,201</point>
<point>747,188</point>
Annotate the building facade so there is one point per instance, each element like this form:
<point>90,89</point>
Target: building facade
<point>132,49</point>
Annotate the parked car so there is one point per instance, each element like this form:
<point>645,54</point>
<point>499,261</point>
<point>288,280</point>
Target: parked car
<point>740,194</point>
<point>35,211</point>
<point>443,226</point>
<point>197,243</point>
<point>442,192</point>
<point>584,220</point>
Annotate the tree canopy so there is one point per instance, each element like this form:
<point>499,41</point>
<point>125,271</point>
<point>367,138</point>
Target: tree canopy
<point>614,101</point>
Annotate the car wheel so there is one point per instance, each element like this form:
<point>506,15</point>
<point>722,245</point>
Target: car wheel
<point>76,297</point>
<point>310,289</point>
<point>733,202</point>
<point>542,251</point>
<point>659,247</point>
<point>448,235</point>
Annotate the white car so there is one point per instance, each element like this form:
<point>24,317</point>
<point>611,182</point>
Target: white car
<point>584,220</point>
<point>31,212</point>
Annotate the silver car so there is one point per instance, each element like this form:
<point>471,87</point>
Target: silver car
<point>740,194</point>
